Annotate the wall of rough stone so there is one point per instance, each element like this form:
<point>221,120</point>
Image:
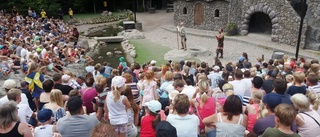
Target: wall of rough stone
<point>312,19</point>
<point>313,9</point>
<point>285,20</point>
<point>210,21</point>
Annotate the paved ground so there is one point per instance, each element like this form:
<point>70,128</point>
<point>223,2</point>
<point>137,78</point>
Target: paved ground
<point>159,28</point>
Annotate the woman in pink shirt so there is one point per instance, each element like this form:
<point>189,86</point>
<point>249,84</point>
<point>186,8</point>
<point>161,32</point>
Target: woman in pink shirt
<point>88,94</point>
<point>204,105</point>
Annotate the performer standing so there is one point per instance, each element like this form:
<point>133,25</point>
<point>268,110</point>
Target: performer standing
<point>182,33</point>
<point>220,39</point>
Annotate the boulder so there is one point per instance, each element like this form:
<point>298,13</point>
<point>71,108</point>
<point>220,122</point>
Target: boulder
<point>133,34</point>
<point>133,53</point>
<point>118,52</point>
<point>109,54</point>
<point>83,43</point>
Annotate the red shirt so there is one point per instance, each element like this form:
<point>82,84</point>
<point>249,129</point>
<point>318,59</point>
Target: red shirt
<point>146,127</point>
<point>208,109</point>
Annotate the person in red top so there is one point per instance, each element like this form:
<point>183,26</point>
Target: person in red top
<point>153,116</point>
<point>293,62</point>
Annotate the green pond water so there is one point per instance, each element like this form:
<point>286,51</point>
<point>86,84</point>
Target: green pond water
<point>102,57</point>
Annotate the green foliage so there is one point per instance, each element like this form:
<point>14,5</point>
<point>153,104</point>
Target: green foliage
<point>120,23</point>
<point>232,29</point>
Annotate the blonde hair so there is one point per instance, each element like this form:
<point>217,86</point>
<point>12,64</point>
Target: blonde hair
<point>298,77</point>
<point>69,73</point>
<point>116,93</point>
<point>201,76</point>
<point>230,92</point>
<point>253,72</point>
<point>227,87</point>
<point>204,88</point>
<point>149,75</point>
<point>186,70</point>
<point>289,78</point>
<point>256,96</point>
<point>32,67</point>
<point>168,76</point>
<point>56,97</point>
<point>262,112</point>
<point>8,114</point>
<point>13,94</point>
<point>300,101</point>
<point>314,100</point>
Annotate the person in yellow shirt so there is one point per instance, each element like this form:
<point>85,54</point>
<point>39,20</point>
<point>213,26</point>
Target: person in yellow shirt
<point>70,13</point>
<point>43,14</point>
<point>105,5</point>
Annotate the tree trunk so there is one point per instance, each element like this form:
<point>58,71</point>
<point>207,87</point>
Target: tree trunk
<point>94,6</point>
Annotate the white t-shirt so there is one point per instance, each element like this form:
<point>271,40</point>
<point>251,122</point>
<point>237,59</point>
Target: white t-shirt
<point>186,126</point>
<point>44,51</point>
<point>23,53</point>
<point>248,86</point>
<point>239,87</point>
<point>24,99</point>
<point>56,51</point>
<point>24,112</point>
<point>189,91</point>
<point>43,131</point>
<point>90,69</point>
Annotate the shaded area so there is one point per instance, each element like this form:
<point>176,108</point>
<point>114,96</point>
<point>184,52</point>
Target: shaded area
<point>102,57</point>
<point>260,23</point>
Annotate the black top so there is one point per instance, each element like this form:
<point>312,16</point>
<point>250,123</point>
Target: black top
<point>65,89</point>
<point>268,85</point>
<point>13,133</point>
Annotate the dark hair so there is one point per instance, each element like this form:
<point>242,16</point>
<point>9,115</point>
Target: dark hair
<point>265,64</point>
<point>89,81</point>
<point>221,83</point>
<point>203,65</point>
<point>246,74</point>
<point>314,61</point>
<point>102,69</point>
<point>47,85</point>
<point>270,61</point>
<point>129,95</point>
<point>257,82</point>
<point>232,106</point>
<point>238,74</point>
<point>313,78</point>
<point>280,86</point>
<point>181,103</point>
<point>178,83</point>
<point>225,75</point>
<point>99,88</point>
<point>188,64</point>
<point>56,77</point>
<point>189,82</point>
<point>177,76</point>
<point>74,105</point>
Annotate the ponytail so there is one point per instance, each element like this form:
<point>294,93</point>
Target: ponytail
<point>116,94</point>
<point>316,104</point>
<point>204,97</point>
<point>156,120</point>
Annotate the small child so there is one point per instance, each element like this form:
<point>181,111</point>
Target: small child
<point>46,129</point>
<point>289,79</point>
<point>149,88</point>
<point>298,86</point>
<point>151,119</point>
<point>253,109</point>
<point>285,116</point>
<point>123,63</point>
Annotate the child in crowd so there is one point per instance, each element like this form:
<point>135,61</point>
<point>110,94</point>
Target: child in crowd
<point>151,119</point>
<point>123,63</point>
<point>46,129</point>
<point>297,87</point>
<point>289,79</point>
<point>149,88</point>
<point>285,116</point>
<point>253,109</point>
<point>116,106</point>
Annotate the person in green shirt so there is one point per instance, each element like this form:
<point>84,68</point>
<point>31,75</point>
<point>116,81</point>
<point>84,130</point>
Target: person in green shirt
<point>285,116</point>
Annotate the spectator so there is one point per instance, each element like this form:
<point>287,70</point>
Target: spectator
<point>56,104</point>
<point>103,130</point>
<point>88,94</point>
<point>133,114</point>
<point>231,122</point>
<point>297,87</point>
<point>65,89</point>
<point>9,121</point>
<point>314,101</point>
<point>46,129</point>
<point>285,116</point>
<point>185,124</point>
<point>238,84</point>
<point>312,83</point>
<point>151,119</point>
<point>76,124</point>
<point>268,83</point>
<point>307,119</point>
<point>10,84</point>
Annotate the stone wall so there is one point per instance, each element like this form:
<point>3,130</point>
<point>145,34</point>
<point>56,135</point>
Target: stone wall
<point>313,18</point>
<point>285,21</point>
<point>210,22</point>
<point>313,9</point>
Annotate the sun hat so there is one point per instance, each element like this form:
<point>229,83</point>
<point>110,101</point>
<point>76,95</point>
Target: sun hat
<point>165,129</point>
<point>9,84</point>
<point>173,93</point>
<point>121,59</point>
<point>118,81</point>
<point>154,106</point>
<point>44,115</point>
<point>153,62</point>
<point>38,49</point>
<point>216,68</point>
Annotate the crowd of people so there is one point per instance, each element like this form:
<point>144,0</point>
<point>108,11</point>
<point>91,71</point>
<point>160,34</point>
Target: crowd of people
<point>277,97</point>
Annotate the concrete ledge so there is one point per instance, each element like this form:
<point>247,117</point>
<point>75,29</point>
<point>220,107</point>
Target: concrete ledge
<point>109,39</point>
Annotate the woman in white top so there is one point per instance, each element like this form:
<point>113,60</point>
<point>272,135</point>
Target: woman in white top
<point>314,101</point>
<point>116,106</point>
<point>308,120</point>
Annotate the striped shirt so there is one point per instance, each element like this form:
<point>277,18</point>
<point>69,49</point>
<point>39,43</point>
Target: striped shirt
<point>135,92</point>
